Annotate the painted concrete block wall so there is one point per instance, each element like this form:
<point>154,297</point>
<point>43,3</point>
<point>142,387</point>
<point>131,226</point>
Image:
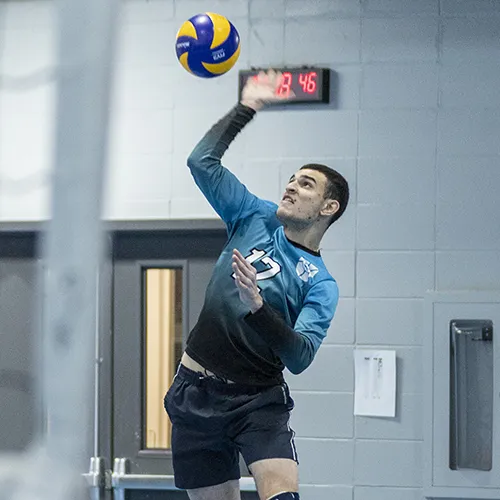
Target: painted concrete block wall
<point>414,128</point>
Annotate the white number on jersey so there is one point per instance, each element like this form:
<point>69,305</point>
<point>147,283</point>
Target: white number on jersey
<point>273,269</point>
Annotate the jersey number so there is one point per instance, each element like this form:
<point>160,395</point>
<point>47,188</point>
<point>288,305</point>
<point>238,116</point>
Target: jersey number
<point>273,269</point>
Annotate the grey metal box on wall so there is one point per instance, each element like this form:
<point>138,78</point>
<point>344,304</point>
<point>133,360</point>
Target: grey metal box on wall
<point>461,374</point>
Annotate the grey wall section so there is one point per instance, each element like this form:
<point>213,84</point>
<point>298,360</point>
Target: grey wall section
<point>18,325</point>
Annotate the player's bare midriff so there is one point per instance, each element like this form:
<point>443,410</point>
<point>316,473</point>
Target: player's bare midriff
<point>193,365</point>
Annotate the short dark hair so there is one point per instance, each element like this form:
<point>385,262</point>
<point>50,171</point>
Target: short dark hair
<point>337,187</point>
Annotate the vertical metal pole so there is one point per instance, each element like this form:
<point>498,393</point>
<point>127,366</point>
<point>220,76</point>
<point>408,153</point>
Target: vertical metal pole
<point>73,242</point>
<point>97,372</point>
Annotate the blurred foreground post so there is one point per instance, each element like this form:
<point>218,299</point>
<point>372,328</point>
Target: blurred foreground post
<point>73,242</point>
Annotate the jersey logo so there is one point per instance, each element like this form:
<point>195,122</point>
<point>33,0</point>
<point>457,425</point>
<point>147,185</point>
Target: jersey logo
<point>260,255</point>
<point>305,269</point>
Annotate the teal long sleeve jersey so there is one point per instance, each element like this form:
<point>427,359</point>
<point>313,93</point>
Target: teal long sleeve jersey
<point>300,296</point>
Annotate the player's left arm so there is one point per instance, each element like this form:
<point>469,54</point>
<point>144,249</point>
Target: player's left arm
<point>297,346</point>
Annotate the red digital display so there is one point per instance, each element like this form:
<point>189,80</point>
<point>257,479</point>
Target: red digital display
<point>305,85</point>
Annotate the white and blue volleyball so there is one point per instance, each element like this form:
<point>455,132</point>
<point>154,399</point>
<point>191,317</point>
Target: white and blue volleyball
<point>207,45</point>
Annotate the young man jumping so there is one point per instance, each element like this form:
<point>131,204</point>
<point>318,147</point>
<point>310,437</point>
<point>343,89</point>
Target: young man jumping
<point>268,306</point>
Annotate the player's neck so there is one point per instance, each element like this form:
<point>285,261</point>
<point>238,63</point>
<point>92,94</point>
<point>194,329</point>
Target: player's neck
<point>308,237</point>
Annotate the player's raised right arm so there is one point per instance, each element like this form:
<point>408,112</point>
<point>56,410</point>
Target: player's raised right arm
<point>227,195</point>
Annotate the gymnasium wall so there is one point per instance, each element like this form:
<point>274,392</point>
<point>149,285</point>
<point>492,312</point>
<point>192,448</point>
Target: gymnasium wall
<point>415,128</point>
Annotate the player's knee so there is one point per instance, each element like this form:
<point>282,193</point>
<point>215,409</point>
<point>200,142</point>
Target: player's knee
<point>286,495</point>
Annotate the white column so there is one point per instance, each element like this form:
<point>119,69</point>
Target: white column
<point>73,242</point>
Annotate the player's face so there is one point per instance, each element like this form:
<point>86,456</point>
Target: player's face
<point>303,200</point>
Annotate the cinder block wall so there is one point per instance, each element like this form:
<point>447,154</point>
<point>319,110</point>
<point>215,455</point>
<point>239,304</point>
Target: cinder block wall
<point>414,128</point>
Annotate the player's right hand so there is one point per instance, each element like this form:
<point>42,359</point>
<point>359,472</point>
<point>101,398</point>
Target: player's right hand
<point>263,89</point>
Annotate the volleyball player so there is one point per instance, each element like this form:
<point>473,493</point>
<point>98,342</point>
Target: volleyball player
<point>268,306</point>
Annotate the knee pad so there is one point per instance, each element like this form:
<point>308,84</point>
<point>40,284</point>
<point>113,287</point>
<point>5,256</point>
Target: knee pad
<point>286,495</point>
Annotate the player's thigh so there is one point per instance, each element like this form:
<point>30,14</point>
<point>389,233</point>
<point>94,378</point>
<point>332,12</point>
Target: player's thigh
<point>264,430</point>
<point>229,490</point>
<point>202,454</point>
<point>267,444</point>
<point>275,475</point>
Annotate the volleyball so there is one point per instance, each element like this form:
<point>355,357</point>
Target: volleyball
<point>207,45</point>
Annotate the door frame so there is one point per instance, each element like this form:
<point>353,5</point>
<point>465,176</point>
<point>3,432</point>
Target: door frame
<point>140,453</point>
<point>161,264</point>
<point>148,250</point>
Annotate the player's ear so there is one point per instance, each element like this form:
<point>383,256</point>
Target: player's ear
<point>330,207</point>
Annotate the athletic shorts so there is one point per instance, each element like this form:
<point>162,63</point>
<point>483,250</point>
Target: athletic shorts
<point>213,420</point>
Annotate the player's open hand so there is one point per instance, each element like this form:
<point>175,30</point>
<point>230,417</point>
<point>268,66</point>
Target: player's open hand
<point>246,281</point>
<point>264,89</point>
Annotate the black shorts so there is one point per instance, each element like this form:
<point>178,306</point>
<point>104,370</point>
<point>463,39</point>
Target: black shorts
<point>213,420</point>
